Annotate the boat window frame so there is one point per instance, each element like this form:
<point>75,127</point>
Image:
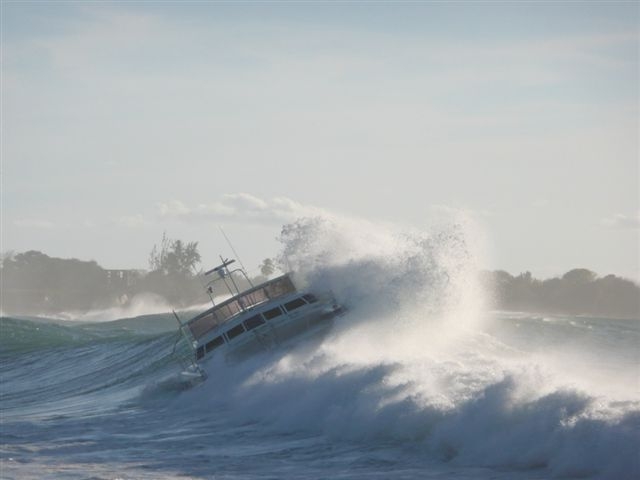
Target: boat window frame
<point>298,301</point>
<point>219,341</point>
<point>267,313</point>
<point>255,321</point>
<point>239,328</point>
<point>310,298</point>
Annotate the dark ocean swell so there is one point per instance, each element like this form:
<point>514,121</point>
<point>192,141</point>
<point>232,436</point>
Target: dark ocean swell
<point>51,369</point>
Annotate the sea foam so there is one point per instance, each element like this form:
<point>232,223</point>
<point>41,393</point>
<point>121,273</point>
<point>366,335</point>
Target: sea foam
<point>413,362</point>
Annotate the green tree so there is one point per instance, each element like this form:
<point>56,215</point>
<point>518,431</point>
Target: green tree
<point>579,276</point>
<point>173,264</point>
<point>35,282</point>
<point>174,257</point>
<point>267,267</point>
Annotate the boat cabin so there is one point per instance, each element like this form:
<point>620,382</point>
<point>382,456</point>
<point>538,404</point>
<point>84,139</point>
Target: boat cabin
<point>257,318</point>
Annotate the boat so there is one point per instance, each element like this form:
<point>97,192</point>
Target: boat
<point>258,318</point>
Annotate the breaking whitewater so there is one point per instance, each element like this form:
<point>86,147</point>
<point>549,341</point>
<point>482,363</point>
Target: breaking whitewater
<point>417,380</point>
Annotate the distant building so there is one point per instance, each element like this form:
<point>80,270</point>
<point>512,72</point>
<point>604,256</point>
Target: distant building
<point>123,279</point>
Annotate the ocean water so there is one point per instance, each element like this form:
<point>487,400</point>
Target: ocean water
<point>418,380</point>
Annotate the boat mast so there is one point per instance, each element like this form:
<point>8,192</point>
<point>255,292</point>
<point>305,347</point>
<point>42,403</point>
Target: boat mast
<point>223,273</point>
<point>244,270</point>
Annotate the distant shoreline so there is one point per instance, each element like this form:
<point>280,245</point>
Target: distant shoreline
<point>529,314</point>
<point>579,292</point>
<point>35,284</point>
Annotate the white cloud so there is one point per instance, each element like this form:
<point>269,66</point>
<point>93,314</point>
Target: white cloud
<point>448,212</point>
<point>131,221</point>
<point>240,207</point>
<point>622,222</point>
<point>33,223</point>
<point>173,208</point>
<point>540,203</point>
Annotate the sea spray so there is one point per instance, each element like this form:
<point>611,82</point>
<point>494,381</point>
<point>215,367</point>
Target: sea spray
<point>141,304</point>
<point>416,380</point>
<point>412,362</point>
<point>384,267</point>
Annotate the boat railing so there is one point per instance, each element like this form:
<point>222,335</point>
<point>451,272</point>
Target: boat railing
<point>219,314</point>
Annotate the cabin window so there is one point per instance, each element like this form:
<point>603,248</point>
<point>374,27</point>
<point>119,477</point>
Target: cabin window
<point>279,286</point>
<point>254,298</point>
<point>293,304</point>
<point>202,324</point>
<point>235,331</point>
<point>200,352</point>
<point>228,310</point>
<point>310,298</point>
<point>273,313</point>
<point>253,322</point>
<point>215,343</point>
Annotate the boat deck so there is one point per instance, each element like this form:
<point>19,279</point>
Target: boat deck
<point>217,315</point>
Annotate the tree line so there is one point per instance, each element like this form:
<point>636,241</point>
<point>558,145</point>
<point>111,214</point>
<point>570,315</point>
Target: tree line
<point>577,292</point>
<point>34,283</point>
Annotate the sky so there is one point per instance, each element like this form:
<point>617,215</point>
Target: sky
<point>124,120</point>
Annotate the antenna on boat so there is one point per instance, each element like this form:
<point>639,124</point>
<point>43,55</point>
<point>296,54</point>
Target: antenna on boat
<point>235,254</point>
<point>220,268</point>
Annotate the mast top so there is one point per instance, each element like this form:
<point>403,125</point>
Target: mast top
<point>220,267</point>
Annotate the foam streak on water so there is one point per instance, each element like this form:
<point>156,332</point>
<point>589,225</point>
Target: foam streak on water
<point>417,380</point>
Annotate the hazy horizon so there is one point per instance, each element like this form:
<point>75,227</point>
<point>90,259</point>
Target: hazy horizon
<point>255,269</point>
<point>124,121</point>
